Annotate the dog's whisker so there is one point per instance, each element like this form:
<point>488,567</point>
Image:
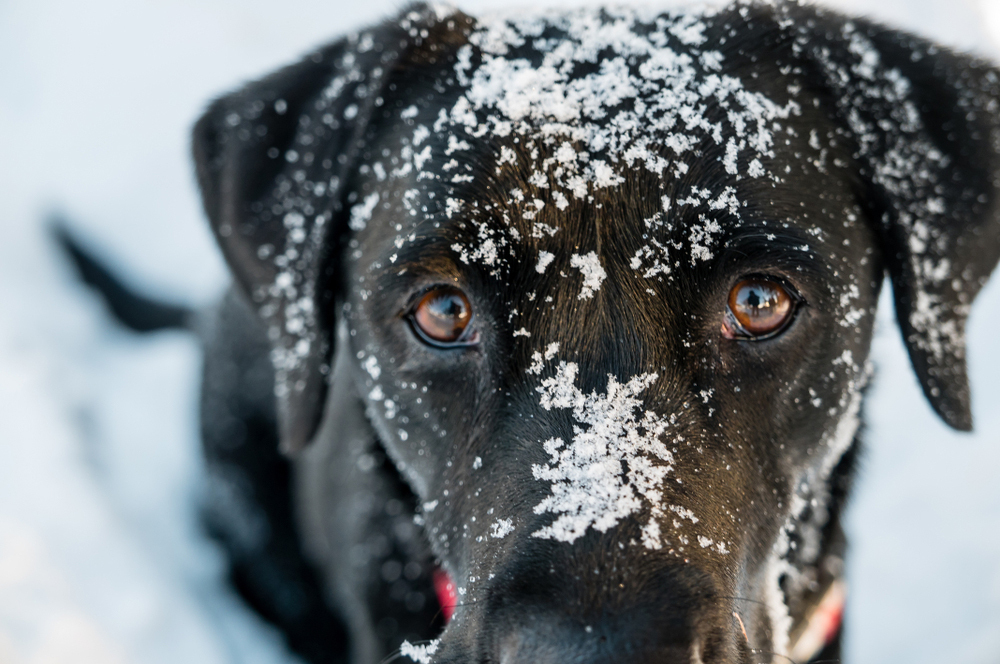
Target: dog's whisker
<point>453,606</point>
<point>757,651</point>
<point>768,652</point>
<point>772,654</point>
<point>742,599</point>
<point>392,657</point>
<point>743,627</point>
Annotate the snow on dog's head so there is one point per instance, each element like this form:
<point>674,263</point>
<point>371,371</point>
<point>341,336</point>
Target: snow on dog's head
<point>605,282</point>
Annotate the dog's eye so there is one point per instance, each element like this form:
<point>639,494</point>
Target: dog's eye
<point>443,317</point>
<point>758,308</point>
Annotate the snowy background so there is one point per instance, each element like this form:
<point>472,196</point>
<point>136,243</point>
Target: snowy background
<point>101,561</point>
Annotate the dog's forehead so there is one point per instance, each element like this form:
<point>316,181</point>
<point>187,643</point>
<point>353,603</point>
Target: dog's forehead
<point>541,127</point>
<point>596,90</point>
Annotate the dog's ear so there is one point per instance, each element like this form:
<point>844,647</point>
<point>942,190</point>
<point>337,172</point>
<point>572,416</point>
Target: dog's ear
<point>926,126</point>
<point>274,162</point>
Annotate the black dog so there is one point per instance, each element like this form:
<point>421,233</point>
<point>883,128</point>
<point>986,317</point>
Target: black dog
<point>573,309</point>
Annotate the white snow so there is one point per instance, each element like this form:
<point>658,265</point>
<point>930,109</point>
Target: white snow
<point>501,528</point>
<point>594,275</point>
<point>589,488</point>
<point>552,104</point>
<point>361,213</point>
<point>544,259</point>
<point>419,653</point>
<point>100,559</point>
<point>370,364</point>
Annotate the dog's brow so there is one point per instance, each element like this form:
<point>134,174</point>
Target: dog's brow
<point>426,256</point>
<point>784,248</point>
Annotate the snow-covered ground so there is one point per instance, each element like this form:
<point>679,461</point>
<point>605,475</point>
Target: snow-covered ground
<point>100,557</point>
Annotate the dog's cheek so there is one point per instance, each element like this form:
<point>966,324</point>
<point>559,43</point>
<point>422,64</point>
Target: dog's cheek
<point>372,372</point>
<point>827,402</point>
<point>803,381</point>
<point>822,427</point>
<point>783,413</point>
<point>413,399</point>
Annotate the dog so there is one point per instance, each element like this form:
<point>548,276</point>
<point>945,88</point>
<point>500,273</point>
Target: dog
<point>548,335</point>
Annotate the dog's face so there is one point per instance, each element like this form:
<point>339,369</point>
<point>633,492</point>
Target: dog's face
<point>604,283</point>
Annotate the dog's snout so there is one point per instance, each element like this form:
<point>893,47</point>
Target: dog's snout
<point>553,640</point>
<point>668,619</point>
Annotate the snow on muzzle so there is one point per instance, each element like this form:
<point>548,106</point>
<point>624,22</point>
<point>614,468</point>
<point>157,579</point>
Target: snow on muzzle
<point>590,567</point>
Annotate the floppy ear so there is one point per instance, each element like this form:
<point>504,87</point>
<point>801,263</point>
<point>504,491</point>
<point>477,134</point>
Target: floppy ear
<point>925,122</point>
<point>274,161</point>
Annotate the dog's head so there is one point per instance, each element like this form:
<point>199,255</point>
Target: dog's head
<point>606,280</point>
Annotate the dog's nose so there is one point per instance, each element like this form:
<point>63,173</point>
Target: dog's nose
<point>622,640</point>
<point>592,610</point>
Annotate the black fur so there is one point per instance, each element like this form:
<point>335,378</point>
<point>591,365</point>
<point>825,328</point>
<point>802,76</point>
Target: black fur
<point>135,311</point>
<point>406,457</point>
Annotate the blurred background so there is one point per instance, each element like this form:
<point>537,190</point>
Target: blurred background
<point>101,558</point>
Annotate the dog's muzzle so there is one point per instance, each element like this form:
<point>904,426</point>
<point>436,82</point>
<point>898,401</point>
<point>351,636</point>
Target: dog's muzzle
<point>549,616</point>
<point>635,635</point>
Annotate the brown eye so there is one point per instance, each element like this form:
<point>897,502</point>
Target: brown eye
<point>759,307</point>
<point>443,316</point>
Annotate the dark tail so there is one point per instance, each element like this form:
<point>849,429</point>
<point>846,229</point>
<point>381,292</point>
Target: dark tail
<point>134,311</point>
